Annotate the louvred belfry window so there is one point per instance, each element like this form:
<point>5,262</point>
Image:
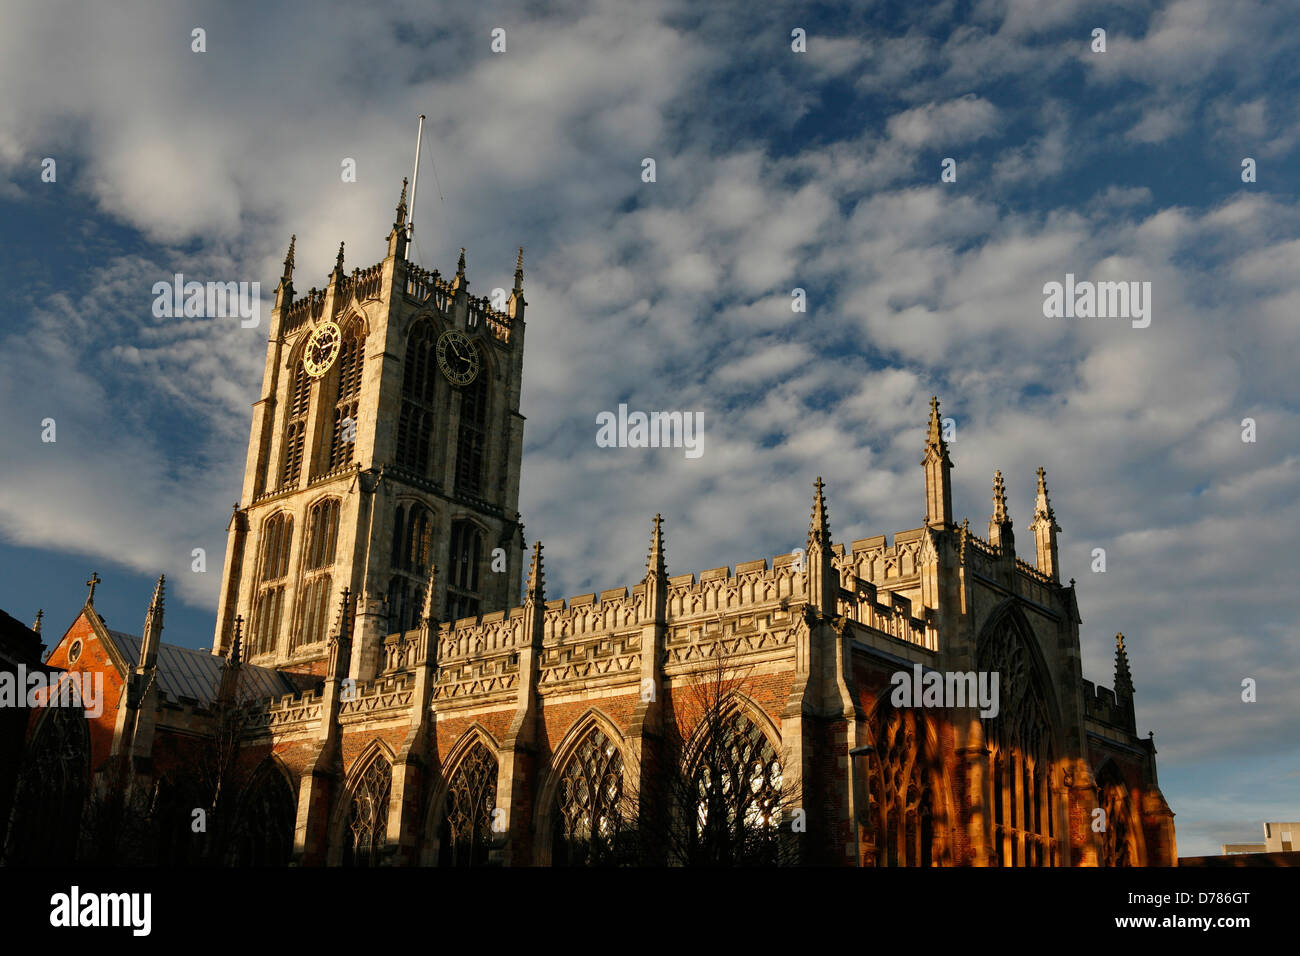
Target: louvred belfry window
<point>295,429</point>
<point>350,362</point>
<point>419,382</point>
<point>472,438</point>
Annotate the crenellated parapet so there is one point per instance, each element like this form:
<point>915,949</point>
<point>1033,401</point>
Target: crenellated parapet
<point>876,560</point>
<point>615,657</point>
<point>485,677</point>
<point>475,637</point>
<point>893,617</point>
<point>768,633</point>
<point>288,713</point>
<point>753,584</point>
<point>392,694</point>
<point>587,615</point>
<point>1102,704</point>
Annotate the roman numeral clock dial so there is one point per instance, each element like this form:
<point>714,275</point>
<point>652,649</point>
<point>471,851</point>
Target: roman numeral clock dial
<point>457,357</point>
<point>322,349</point>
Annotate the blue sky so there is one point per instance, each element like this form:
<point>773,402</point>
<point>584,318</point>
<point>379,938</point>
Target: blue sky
<point>775,170</point>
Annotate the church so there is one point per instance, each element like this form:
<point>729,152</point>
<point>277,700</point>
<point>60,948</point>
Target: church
<point>379,692</point>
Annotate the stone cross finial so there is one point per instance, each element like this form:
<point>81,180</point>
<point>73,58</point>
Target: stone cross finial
<point>36,624</point>
<point>94,579</point>
<point>934,435</point>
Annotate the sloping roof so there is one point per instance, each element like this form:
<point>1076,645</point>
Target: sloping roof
<point>185,672</point>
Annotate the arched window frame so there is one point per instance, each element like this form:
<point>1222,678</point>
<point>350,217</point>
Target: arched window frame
<point>905,802</point>
<point>412,550</point>
<point>294,442</point>
<point>465,556</point>
<point>471,433</point>
<point>587,814</point>
<point>346,380</point>
<point>735,787</point>
<point>363,825</point>
<point>276,546</point>
<point>317,575</point>
<point>1121,835</point>
<point>420,386</point>
<point>1021,762</point>
<point>465,834</point>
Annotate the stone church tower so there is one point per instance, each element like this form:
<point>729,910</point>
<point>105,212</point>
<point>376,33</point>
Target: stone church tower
<point>387,439</point>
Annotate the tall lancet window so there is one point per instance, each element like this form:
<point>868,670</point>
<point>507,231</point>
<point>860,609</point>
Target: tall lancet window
<point>472,438</point>
<point>466,832</point>
<point>412,534</point>
<point>351,358</point>
<point>415,421</point>
<point>366,831</point>
<point>463,596</point>
<point>295,427</point>
<point>1025,825</point>
<point>905,773</point>
<point>268,606</point>
<point>317,573</point>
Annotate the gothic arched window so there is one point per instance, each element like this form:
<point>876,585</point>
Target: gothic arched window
<point>264,827</point>
<point>415,420</point>
<point>295,426</point>
<point>45,825</point>
<point>412,539</point>
<point>268,606</point>
<point>588,813</point>
<point>735,785</point>
<point>905,769</point>
<point>471,438</point>
<point>365,830</point>
<point>1118,839</point>
<point>463,596</point>
<point>466,831</point>
<point>351,358</point>
<point>317,576</point>
<point>1025,827</point>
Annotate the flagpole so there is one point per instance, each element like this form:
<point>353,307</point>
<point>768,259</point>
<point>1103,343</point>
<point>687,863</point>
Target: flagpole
<point>415,178</point>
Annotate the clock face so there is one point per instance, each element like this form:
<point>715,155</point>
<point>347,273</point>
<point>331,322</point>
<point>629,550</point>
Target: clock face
<point>322,349</point>
<point>457,357</point>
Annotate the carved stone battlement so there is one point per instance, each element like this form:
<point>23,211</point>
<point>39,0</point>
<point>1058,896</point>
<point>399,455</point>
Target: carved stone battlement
<point>1102,703</point>
<point>478,677</point>
<point>753,584</point>
<point>381,694</point>
<point>602,657</point>
<point>875,559</point>
<point>895,618</point>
